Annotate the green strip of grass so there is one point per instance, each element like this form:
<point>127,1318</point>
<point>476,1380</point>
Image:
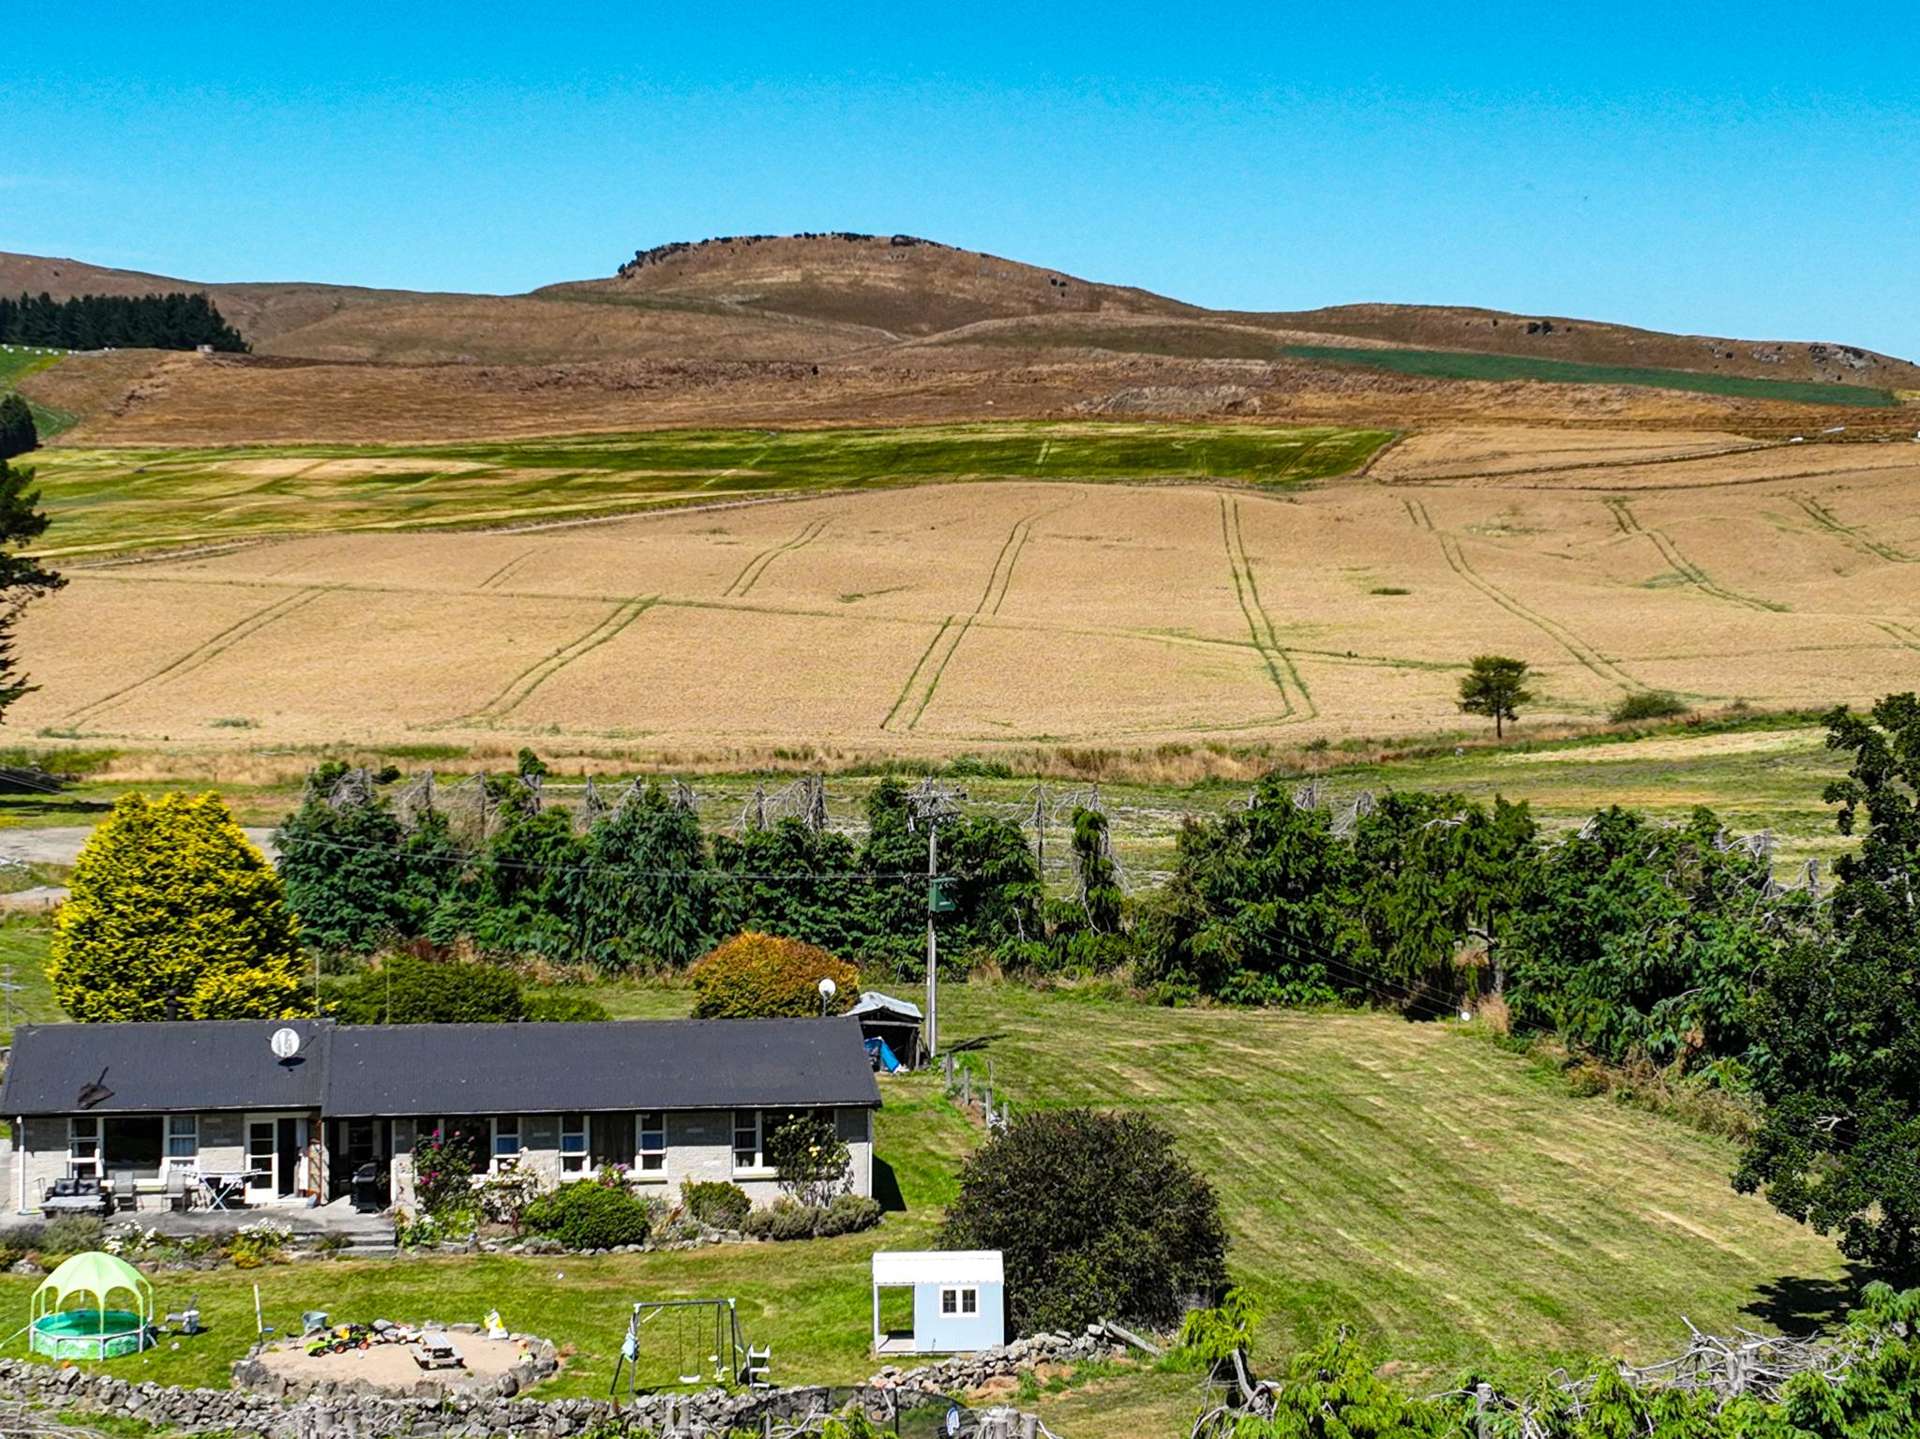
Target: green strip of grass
<point>1462,365</point>
<point>104,501</point>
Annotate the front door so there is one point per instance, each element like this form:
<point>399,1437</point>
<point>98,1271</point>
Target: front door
<point>276,1152</point>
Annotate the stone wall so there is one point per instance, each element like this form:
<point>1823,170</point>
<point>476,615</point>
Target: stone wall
<point>350,1411</point>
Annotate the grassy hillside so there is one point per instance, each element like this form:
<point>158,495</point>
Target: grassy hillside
<point>1459,365</point>
<point>17,364</point>
<point>129,499</point>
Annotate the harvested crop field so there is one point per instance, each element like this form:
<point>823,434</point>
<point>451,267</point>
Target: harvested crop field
<point>942,618</point>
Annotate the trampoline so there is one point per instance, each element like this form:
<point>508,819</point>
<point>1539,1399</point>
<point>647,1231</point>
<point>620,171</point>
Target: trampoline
<point>96,1329</point>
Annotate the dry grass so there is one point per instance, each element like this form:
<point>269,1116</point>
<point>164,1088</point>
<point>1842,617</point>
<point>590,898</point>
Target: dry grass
<point>1082,626</point>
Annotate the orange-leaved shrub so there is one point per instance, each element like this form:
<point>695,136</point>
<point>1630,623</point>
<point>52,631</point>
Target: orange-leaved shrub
<point>761,976</point>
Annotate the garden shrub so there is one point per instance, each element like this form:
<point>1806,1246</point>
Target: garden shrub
<point>589,1215</point>
<point>1098,1217</point>
<point>413,989</point>
<point>71,1234</point>
<point>848,1214</point>
<point>760,976</point>
<point>795,1221</point>
<point>443,1164</point>
<point>264,1241</point>
<point>784,1219</point>
<point>715,1203</point>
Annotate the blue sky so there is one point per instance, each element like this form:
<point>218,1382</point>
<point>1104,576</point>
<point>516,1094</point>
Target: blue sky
<point>1747,169</point>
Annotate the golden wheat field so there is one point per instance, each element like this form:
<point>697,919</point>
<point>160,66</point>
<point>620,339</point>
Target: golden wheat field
<point>960,616</point>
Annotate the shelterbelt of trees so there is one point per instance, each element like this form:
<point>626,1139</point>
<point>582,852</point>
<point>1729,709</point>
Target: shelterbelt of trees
<point>1674,946</point>
<point>174,321</point>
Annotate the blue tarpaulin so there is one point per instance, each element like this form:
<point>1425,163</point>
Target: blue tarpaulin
<point>877,1048</point>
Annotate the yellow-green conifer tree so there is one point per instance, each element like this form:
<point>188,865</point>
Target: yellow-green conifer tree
<point>173,914</point>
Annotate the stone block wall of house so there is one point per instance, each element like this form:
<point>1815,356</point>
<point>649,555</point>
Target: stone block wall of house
<point>699,1147</point>
<point>42,1155</point>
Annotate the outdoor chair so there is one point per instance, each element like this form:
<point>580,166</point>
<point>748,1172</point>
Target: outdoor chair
<point>181,1187</point>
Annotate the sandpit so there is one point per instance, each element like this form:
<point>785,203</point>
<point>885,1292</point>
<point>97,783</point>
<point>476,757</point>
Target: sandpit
<point>391,1367</point>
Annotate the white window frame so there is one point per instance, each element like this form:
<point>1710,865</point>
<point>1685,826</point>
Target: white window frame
<point>959,1301</point>
<point>78,1163</point>
<point>758,1129</point>
<point>576,1161</point>
<point>518,1135</point>
<point>169,1159</point>
<point>650,1159</point>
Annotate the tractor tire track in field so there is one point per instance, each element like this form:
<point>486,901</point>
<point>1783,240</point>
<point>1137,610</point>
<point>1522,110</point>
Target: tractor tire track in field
<point>521,687</point>
<point>200,654</point>
<point>1584,653</point>
<point>1852,535</point>
<point>940,653</point>
<point>1905,635</point>
<point>499,576</point>
<point>756,567</point>
<point>1623,515</point>
<point>1630,524</point>
<point>1259,623</point>
<point>1417,512</point>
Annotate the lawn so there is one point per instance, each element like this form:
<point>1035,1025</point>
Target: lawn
<point>1463,365</point>
<point>23,963</point>
<point>127,499</point>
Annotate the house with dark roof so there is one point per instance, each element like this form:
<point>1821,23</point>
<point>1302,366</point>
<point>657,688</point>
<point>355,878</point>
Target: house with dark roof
<point>270,1112</point>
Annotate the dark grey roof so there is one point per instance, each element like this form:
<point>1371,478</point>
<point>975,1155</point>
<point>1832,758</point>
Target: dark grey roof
<point>630,1064</point>
<point>190,1064</point>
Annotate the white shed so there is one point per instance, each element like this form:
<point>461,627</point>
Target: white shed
<point>958,1299</point>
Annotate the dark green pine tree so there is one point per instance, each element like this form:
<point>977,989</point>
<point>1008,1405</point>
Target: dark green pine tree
<point>22,577</point>
<point>17,431</point>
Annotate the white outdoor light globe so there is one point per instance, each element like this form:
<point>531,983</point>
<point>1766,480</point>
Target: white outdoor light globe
<point>828,988</point>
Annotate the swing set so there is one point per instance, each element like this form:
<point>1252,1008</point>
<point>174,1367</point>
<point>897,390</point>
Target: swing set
<point>730,1360</point>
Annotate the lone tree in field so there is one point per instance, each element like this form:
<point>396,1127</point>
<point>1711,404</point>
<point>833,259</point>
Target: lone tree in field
<point>1495,686</point>
<point>21,577</point>
<point>1837,1022</point>
<point>17,432</point>
<point>1098,1217</point>
<point>173,914</point>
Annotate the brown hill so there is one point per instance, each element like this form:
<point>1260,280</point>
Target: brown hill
<point>896,301</point>
<point>900,284</point>
<point>260,310</point>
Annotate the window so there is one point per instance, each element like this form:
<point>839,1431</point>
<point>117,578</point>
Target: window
<point>746,1140</point>
<point>653,1141</point>
<point>83,1146</point>
<point>573,1144</point>
<point>959,1301</point>
<point>134,1146</point>
<point>183,1140</point>
<point>506,1140</point>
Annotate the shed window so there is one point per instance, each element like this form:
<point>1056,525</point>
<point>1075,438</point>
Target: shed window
<point>573,1144</point>
<point>959,1301</point>
<point>653,1141</point>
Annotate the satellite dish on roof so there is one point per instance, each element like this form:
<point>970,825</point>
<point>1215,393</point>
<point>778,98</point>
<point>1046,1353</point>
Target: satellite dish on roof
<point>285,1042</point>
